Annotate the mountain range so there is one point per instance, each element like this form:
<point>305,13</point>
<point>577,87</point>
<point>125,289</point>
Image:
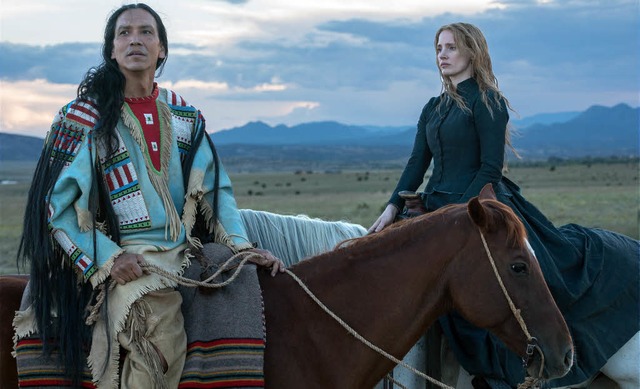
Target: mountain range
<point>597,132</point>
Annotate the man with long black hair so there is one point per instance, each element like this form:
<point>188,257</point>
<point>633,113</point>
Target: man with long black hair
<point>128,176</point>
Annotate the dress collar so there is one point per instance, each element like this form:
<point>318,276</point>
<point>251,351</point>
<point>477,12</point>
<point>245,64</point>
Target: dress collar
<point>145,99</point>
<point>467,87</point>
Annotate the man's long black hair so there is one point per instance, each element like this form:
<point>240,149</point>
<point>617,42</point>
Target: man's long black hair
<point>106,82</point>
<point>58,296</point>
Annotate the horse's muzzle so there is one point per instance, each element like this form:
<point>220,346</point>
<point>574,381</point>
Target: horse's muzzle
<point>542,367</point>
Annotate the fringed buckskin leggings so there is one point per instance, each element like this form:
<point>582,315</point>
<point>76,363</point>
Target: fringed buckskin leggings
<point>155,342</point>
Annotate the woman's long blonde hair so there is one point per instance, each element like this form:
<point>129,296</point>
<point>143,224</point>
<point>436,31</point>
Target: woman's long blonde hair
<point>470,41</point>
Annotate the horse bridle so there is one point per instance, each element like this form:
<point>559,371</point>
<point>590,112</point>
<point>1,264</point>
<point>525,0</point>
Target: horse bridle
<point>532,342</point>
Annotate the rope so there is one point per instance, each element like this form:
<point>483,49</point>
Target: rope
<point>395,382</point>
<point>529,382</point>
<point>207,283</point>
<point>94,310</point>
<point>360,337</point>
<point>516,312</point>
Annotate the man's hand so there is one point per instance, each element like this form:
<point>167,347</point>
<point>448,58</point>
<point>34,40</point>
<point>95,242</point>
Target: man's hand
<point>127,268</point>
<point>265,258</point>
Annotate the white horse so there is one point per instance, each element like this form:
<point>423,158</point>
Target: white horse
<point>624,366</point>
<point>622,370</point>
<point>294,238</point>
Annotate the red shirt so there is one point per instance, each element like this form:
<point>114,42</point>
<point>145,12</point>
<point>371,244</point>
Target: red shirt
<point>146,111</point>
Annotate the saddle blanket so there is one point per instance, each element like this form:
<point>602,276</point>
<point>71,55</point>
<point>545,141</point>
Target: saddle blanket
<point>224,326</point>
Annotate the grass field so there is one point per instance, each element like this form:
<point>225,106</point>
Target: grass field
<point>604,195</point>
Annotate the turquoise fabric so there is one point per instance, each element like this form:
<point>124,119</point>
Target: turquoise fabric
<point>131,190</point>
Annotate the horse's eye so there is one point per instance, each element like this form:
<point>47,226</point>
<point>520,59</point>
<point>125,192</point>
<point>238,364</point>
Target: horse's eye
<point>520,268</point>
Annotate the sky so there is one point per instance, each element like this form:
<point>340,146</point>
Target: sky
<point>358,62</point>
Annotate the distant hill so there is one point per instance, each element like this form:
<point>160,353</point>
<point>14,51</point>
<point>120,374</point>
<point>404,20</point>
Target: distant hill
<point>597,132</point>
<point>19,147</point>
<point>259,133</point>
<point>543,118</point>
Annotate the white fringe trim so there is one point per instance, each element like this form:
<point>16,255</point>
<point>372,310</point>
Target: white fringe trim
<point>120,301</point>
<point>159,181</point>
<point>24,325</point>
<point>85,218</point>
<point>192,198</point>
<point>104,271</point>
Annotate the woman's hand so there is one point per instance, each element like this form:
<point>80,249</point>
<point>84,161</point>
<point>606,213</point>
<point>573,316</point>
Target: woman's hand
<point>388,216</point>
<point>265,258</point>
<point>127,268</point>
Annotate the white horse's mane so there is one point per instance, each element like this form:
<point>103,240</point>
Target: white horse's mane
<point>293,238</point>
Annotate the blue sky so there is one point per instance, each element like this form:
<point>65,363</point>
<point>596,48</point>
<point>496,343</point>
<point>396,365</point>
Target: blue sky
<point>362,62</point>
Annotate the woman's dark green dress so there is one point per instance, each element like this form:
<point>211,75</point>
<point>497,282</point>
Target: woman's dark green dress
<point>593,274</point>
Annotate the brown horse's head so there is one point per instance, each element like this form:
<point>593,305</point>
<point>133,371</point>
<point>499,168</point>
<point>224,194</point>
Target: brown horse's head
<point>520,273</point>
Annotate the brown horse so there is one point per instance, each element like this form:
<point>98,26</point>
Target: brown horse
<point>391,286</point>
<point>11,288</point>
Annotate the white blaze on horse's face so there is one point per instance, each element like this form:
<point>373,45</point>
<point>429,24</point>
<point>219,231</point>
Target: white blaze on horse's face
<point>530,248</point>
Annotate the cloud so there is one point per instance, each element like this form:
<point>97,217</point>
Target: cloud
<point>211,87</point>
<point>62,63</point>
<point>28,107</point>
<point>362,61</point>
<point>223,88</point>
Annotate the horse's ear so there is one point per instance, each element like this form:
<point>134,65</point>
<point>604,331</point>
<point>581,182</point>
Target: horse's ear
<point>487,192</point>
<point>477,212</point>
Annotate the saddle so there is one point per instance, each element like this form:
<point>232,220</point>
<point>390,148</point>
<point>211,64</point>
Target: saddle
<point>413,204</point>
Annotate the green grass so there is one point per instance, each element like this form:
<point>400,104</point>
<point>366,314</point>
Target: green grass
<point>598,195</point>
<point>601,195</point>
<point>13,200</point>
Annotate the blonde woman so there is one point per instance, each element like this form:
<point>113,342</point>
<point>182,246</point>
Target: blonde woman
<point>463,134</point>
